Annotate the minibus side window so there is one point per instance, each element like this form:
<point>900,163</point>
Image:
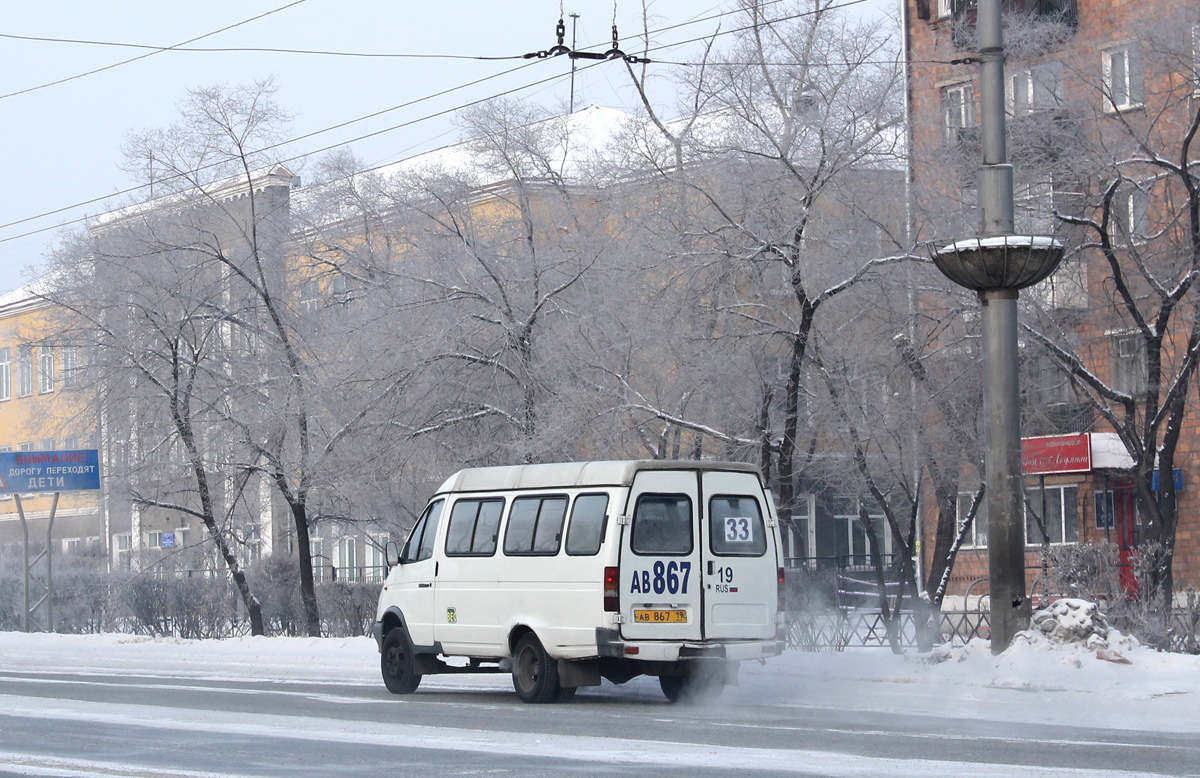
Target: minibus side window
<point>430,533</point>
<point>586,530</point>
<point>412,548</point>
<point>736,526</point>
<point>473,527</point>
<point>662,524</point>
<point>535,525</point>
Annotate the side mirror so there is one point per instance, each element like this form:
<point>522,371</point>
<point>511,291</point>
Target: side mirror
<point>392,554</point>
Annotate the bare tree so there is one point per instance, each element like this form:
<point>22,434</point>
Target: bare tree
<point>784,135</point>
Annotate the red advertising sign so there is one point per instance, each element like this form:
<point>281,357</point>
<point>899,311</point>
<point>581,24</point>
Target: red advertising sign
<point>1056,454</point>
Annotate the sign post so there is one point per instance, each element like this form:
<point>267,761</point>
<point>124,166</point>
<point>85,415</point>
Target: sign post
<point>43,471</point>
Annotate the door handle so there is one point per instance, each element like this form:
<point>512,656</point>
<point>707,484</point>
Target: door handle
<point>424,585</point>
<point>711,568</point>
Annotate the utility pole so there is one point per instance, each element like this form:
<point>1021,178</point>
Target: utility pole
<point>996,265</point>
<point>574,25</point>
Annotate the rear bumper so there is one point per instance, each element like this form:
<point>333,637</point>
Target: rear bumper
<point>610,644</point>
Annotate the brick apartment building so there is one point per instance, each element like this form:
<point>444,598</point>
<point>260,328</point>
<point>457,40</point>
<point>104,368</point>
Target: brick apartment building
<point>1101,96</point>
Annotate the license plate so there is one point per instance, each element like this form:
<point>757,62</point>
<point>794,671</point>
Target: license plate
<point>660,617</point>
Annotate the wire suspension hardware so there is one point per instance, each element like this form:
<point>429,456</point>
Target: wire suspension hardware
<point>560,48</point>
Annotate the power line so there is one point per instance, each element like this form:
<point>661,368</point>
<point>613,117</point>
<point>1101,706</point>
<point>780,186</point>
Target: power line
<point>150,53</point>
<point>400,106</point>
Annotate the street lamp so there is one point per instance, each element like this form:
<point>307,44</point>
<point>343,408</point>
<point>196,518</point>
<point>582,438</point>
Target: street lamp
<point>996,265</point>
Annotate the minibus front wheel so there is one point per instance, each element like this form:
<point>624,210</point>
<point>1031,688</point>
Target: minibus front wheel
<point>396,661</point>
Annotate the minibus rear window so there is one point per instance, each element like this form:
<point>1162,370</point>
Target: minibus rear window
<point>535,525</point>
<point>736,526</point>
<point>586,530</point>
<point>662,524</point>
<point>474,525</point>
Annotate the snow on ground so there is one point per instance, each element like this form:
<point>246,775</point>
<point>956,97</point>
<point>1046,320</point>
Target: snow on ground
<point>1036,680</point>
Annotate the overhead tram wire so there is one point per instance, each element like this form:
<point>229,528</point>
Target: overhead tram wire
<point>183,47</point>
<point>150,53</point>
<point>401,125</point>
<point>410,103</point>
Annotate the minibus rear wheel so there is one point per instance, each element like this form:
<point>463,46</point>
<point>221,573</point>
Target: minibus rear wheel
<point>396,662</point>
<point>535,674</point>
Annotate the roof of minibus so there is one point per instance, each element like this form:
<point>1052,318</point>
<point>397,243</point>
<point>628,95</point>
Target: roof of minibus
<point>564,474</point>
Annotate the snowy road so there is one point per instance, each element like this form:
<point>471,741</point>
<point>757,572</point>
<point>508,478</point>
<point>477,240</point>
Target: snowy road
<point>120,706</point>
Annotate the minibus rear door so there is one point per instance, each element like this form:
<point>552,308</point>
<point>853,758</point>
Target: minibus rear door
<point>740,565</point>
<point>661,593</point>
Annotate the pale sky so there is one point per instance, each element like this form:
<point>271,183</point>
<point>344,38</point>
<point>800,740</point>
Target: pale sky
<point>61,144</point>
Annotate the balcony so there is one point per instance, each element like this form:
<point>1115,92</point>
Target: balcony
<point>1058,17</point>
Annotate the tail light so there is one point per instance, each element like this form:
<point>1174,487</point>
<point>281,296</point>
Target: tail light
<point>782,604</point>
<point>611,578</point>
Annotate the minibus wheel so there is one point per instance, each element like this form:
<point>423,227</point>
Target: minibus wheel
<point>396,662</point>
<point>535,674</point>
<point>699,687</point>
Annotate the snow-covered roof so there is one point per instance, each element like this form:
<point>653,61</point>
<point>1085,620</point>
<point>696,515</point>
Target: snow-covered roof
<point>271,175</point>
<point>563,474</point>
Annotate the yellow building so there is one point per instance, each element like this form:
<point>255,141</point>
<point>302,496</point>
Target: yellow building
<point>41,410</point>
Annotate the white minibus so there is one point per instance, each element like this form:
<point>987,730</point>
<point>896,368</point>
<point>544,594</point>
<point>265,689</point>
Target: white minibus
<point>563,574</point>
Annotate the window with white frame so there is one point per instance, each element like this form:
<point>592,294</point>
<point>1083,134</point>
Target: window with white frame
<point>154,540</point>
<point>122,549</point>
<point>310,295</point>
<point>376,560</point>
<point>802,535</point>
<point>45,369</point>
<point>850,535</point>
<point>1129,363</point>
<point>347,559</point>
<point>1059,511</point>
<point>958,103</point>
<point>70,367</point>
<point>72,545</point>
<point>320,562</point>
<point>1122,77</point>
<point>24,371</point>
<point>977,535</point>
<point>1130,214</point>
<point>1035,89</point>
<point>1196,60</point>
<point>5,374</point>
<point>1033,207</point>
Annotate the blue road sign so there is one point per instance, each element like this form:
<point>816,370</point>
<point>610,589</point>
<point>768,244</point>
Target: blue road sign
<point>168,540</point>
<point>49,471</point>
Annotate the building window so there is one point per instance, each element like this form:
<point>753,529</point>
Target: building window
<point>1122,77</point>
<point>800,537</point>
<point>347,559</point>
<point>310,295</point>
<point>977,536</point>
<point>1129,363</point>
<point>1196,60</point>
<point>376,559</point>
<point>70,367</point>
<point>1031,90</point>
<point>852,545</point>
<point>1061,514</point>
<point>1130,207</point>
<point>122,549</point>
<point>5,374</point>
<point>320,563</point>
<point>24,371</point>
<point>45,369</point>
<point>959,105</point>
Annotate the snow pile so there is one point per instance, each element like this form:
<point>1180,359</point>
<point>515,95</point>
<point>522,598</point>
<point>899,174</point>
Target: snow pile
<point>1079,622</point>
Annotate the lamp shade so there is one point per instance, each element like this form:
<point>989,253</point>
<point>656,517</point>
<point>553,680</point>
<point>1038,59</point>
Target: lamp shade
<point>1000,262</point>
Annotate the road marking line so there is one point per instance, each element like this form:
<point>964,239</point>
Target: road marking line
<point>601,750</point>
